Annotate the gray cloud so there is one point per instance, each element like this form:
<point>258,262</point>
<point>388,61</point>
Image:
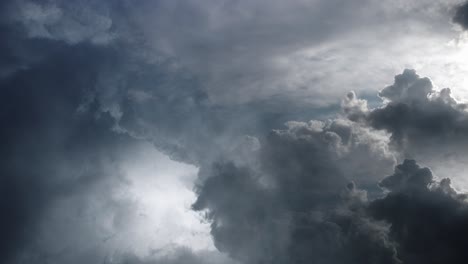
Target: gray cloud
<point>84,21</point>
<point>49,148</point>
<point>296,203</point>
<point>176,256</point>
<point>72,111</point>
<point>424,124</point>
<point>416,114</point>
<point>82,81</point>
<point>301,209</point>
<point>427,217</point>
<point>461,15</point>
<point>256,225</point>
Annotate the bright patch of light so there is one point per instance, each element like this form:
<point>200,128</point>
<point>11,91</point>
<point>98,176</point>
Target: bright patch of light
<point>445,63</point>
<point>162,191</point>
<point>139,205</point>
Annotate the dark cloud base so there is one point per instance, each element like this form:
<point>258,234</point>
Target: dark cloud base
<point>73,101</point>
<point>428,220</point>
<point>298,201</point>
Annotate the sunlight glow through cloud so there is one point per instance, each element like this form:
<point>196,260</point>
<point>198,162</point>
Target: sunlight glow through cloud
<point>162,191</point>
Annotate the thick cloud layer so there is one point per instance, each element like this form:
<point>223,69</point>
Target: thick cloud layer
<point>428,218</point>
<point>297,205</point>
<point>84,83</point>
<point>49,148</point>
<point>298,199</point>
<point>257,224</point>
<point>297,202</point>
<point>61,140</point>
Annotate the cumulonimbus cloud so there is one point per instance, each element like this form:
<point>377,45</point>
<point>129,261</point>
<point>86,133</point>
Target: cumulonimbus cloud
<point>300,201</point>
<point>78,87</point>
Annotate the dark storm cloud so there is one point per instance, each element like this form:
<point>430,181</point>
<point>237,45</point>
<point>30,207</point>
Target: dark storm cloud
<point>417,117</point>
<point>299,207</point>
<point>255,224</point>
<point>80,81</point>
<point>295,199</point>
<point>73,98</point>
<point>60,136</point>
<point>47,143</point>
<point>151,98</point>
<point>425,124</point>
<point>296,204</point>
<point>428,218</point>
<point>461,15</point>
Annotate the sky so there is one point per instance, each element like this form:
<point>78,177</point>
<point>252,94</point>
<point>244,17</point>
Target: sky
<point>233,132</point>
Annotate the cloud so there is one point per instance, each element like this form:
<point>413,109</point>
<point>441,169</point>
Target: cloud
<point>431,126</point>
<point>71,112</point>
<point>83,82</point>
<point>295,202</point>
<point>295,199</point>
<point>427,217</point>
<point>461,15</point>
<point>255,224</point>
<point>300,49</point>
<point>176,256</point>
<point>61,20</point>
<point>295,215</point>
<point>49,149</point>
<point>407,175</point>
<point>415,113</point>
<point>424,123</point>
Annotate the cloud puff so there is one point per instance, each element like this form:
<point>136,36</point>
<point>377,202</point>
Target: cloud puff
<point>424,123</point>
<point>311,213</point>
<point>295,202</point>
<point>425,214</point>
<point>256,224</point>
<point>416,114</point>
<point>427,217</point>
<point>407,175</point>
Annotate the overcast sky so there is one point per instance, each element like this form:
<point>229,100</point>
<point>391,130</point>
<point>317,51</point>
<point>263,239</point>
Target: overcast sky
<point>233,132</point>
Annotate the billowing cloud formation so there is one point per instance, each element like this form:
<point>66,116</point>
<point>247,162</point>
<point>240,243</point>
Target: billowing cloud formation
<point>424,124</point>
<point>297,202</point>
<point>62,147</point>
<point>258,224</point>
<point>428,218</point>
<point>297,205</point>
<point>419,221</point>
<point>415,113</point>
<point>83,83</point>
<point>296,199</point>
